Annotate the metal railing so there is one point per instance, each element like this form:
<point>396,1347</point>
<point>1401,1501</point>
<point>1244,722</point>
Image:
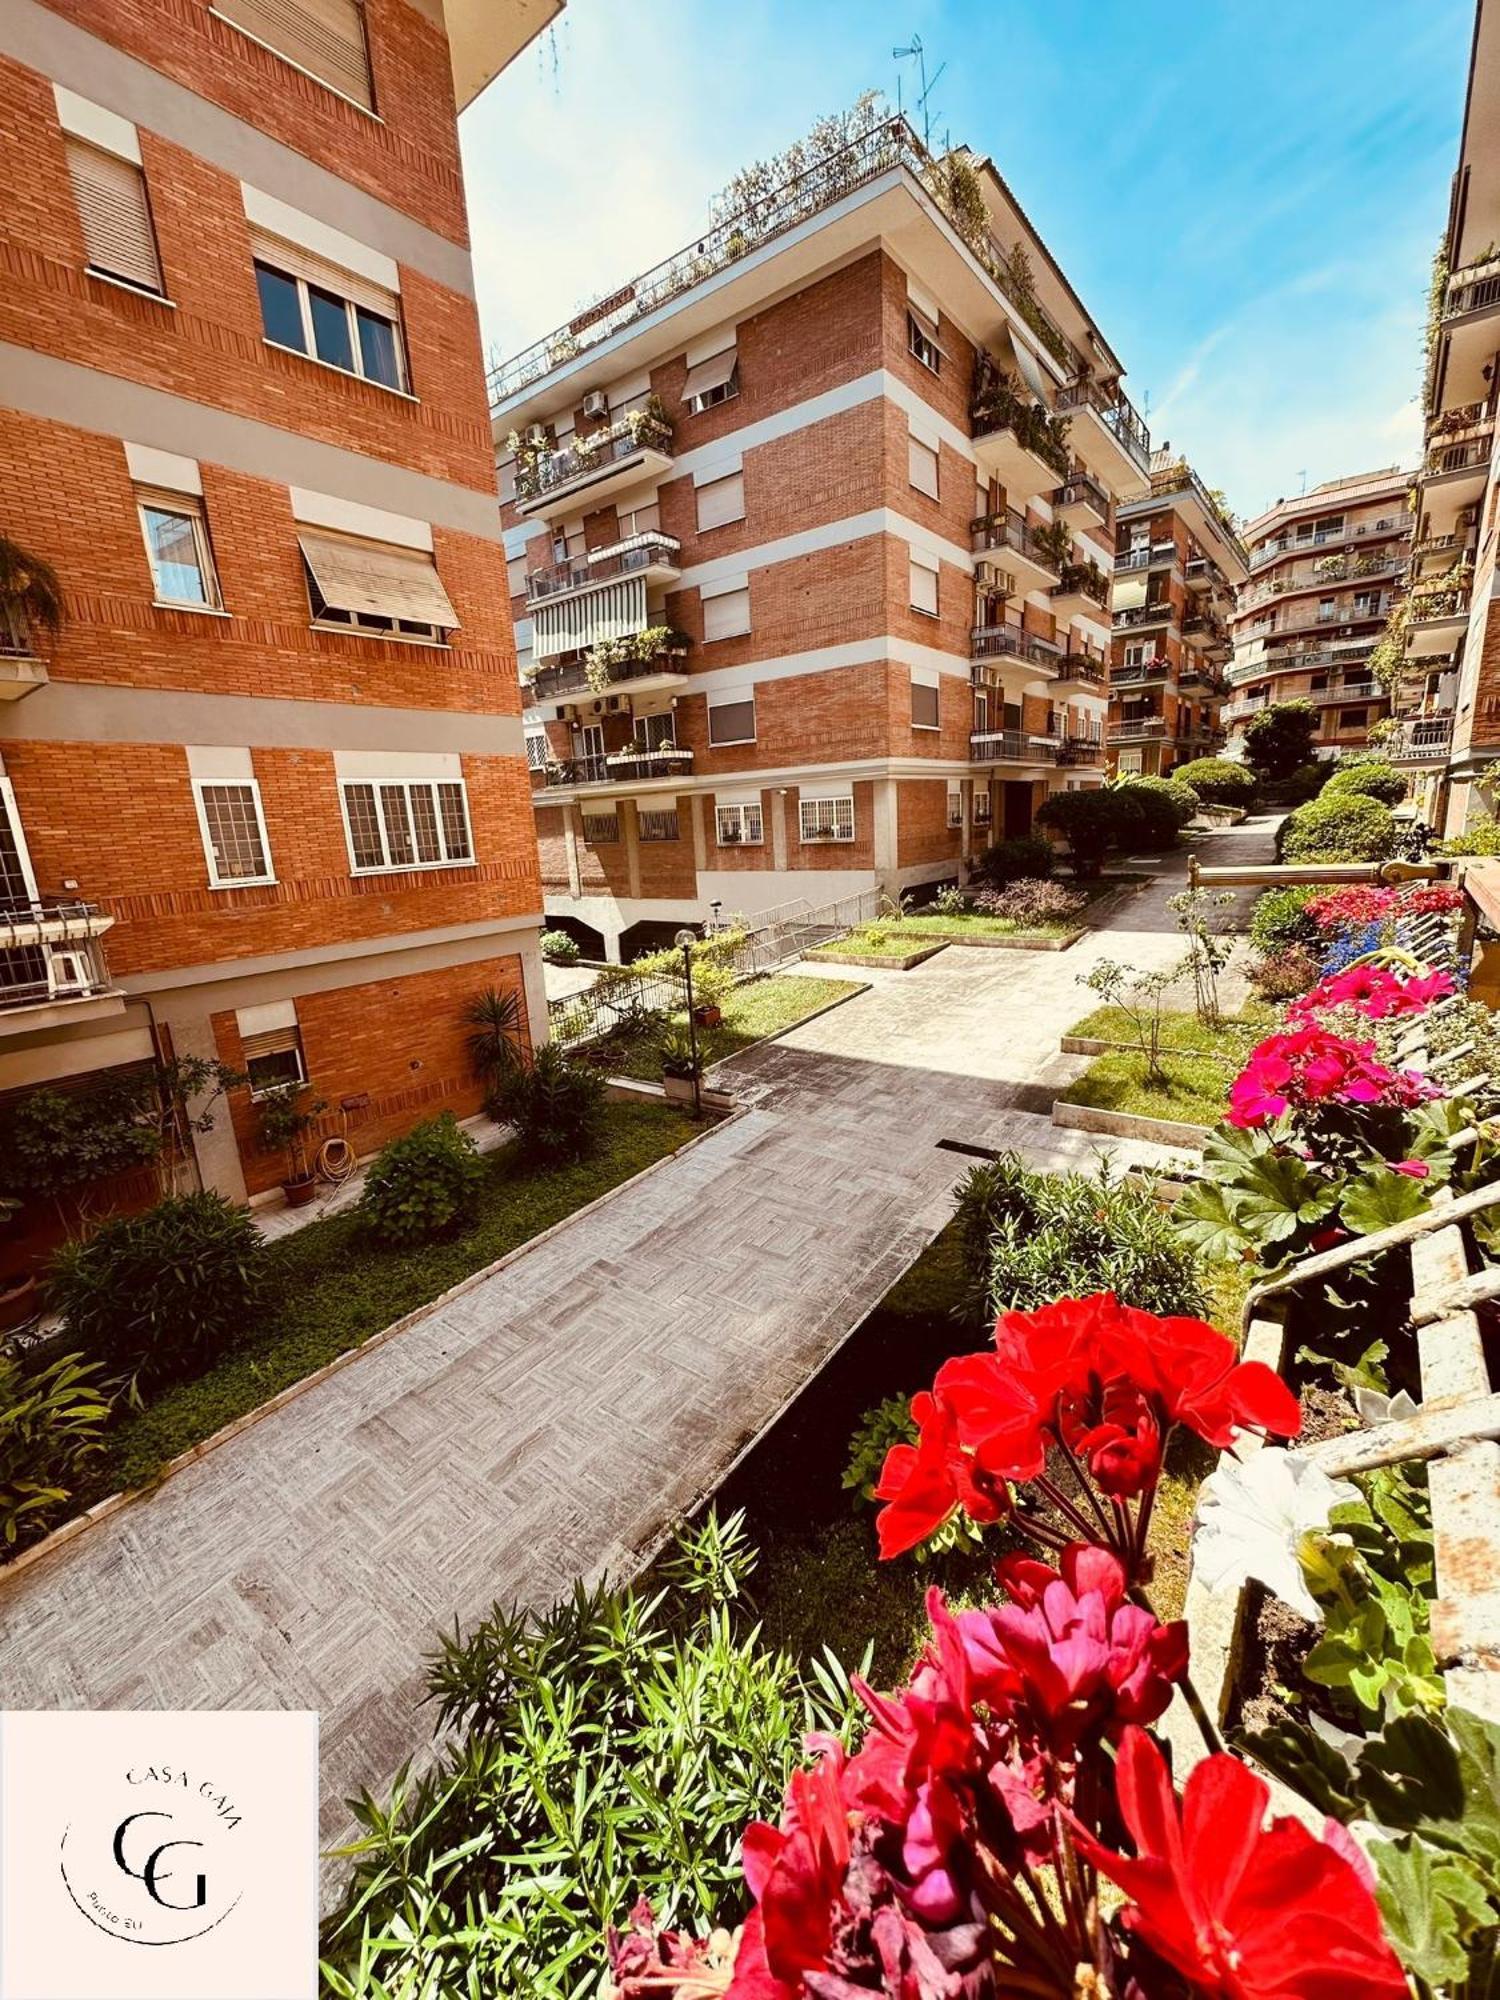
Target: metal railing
<point>1129,728</point>
<point>1031,426</point>
<point>1156,557</point>
<point>620,767</point>
<point>1011,746</point>
<point>1010,642</point>
<point>1084,579</point>
<point>1143,614</point>
<point>553,471</point>
<point>1118,412</point>
<point>1423,736</point>
<point>1083,663</point>
<point>1141,671</point>
<point>572,676</point>
<point>1429,606</point>
<point>1473,288</point>
<point>993,534</point>
<point>603,566</point>
<point>1383,527</point>
<point>1460,454</point>
<point>50,949</point>
<point>1081,750</point>
<point>1080,489</point>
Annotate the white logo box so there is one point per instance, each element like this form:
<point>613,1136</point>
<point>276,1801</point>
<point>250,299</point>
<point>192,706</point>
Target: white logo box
<point>158,1855</point>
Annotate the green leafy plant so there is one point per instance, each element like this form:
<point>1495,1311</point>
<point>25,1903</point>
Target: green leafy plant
<point>287,1116</point>
<point>51,1419</point>
<point>1161,806</point>
<point>1371,777</point>
<point>496,1037</point>
<point>680,1058</point>
<point>882,1425</point>
<point>1280,737</point>
<point>1254,1197</point>
<point>1280,918</point>
<point>1140,997</point>
<point>1481,836</point>
<point>1202,916</point>
<point>1217,781</point>
<point>1339,826</point>
<point>559,948</point>
<point>1089,821</point>
<point>612,1747</point>
<point>1023,857</point>
<point>555,1105</point>
<point>1028,1238</point>
<point>423,1184</point>
<point>154,1295</point>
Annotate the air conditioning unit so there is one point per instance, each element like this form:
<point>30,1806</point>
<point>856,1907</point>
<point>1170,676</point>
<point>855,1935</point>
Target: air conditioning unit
<point>536,434</point>
<point>990,576</point>
<point>596,403</point>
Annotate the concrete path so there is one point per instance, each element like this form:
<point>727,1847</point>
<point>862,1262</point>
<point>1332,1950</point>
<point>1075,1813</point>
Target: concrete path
<point>555,1420</point>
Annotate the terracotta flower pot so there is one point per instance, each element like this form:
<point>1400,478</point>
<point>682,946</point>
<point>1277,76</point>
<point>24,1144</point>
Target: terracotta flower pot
<point>300,1193</point>
<point>708,1017</point>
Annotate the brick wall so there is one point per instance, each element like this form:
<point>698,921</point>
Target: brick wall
<point>922,830</point>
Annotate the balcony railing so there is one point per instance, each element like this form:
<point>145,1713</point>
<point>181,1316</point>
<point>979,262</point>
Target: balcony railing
<point>1083,663</point>
<point>1473,288</point>
<point>1147,671</point>
<point>1011,642</point>
<point>1423,736</point>
<point>570,677</point>
<point>1464,454</point>
<point>1081,490</point>
<point>1454,545</point>
<point>1012,746</point>
<point>1006,408</point>
<point>1383,528</point>
<point>620,767</point>
<point>1309,620</point>
<point>1009,531</point>
<point>1143,614</point>
<point>1084,579</point>
<point>1117,411</point>
<point>1081,749</point>
<point>629,558</point>
<point>1156,557</point>
<point>1131,728</point>
<point>51,949</point>
<point>1431,605</point>
<point>550,471</point>
<point>884,147</point>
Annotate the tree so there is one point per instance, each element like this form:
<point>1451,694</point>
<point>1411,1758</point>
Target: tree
<point>1280,737</point>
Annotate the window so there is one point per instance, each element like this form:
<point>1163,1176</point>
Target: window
<point>924,585</point>
<point>922,339</point>
<point>655,732</point>
<point>955,806</point>
<point>375,587</point>
<point>118,237</point>
<point>395,824</point>
<point>332,315</point>
<point>826,819</point>
<point>640,520</point>
<point>234,833</point>
<point>600,828</point>
<point>721,501</point>
<point>273,1060</point>
<point>922,466</point>
<point>1351,720</point>
<point>731,721</point>
<point>714,381</point>
<point>177,547</point>
<point>740,826</point>
<point>924,706</point>
<point>515,576</point>
<point>982,806</point>
<point>326,38</point>
<point>726,616</point>
<point>536,750</point>
<point>1135,653</point>
<point>657,825</point>
<point>1130,760</point>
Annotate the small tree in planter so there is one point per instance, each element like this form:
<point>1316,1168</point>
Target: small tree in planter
<point>1201,915</point>
<point>286,1118</point>
<point>1139,997</point>
<point>682,1064</point>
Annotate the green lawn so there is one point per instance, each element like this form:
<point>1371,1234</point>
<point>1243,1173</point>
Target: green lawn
<point>1194,1094</point>
<point>761,1007</point>
<point>333,1288</point>
<point>874,943</point>
<point>972,923</point>
<point>1185,1031</point>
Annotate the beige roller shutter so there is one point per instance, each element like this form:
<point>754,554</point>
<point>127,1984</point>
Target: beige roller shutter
<point>344,284</point>
<point>378,579</point>
<point>324,37</point>
<point>116,216</point>
<point>274,1042</point>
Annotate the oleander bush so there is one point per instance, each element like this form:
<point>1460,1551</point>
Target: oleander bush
<point>422,1185</point>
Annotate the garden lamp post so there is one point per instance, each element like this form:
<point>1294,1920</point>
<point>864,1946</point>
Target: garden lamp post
<point>687,940</point>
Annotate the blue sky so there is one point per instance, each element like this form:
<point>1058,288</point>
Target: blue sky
<point>1246,196</point>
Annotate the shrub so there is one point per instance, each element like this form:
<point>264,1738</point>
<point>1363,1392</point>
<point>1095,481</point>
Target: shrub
<point>50,1421</point>
<point>558,948</point>
<point>1281,918</point>
<point>1346,826</point>
<point>1217,781</point>
<point>1283,974</point>
<point>1300,785</point>
<point>496,1039</point>
<point>1483,837</point>
<point>422,1185</point>
<point>1161,805</point>
<point>882,1425</point>
<point>1031,902</point>
<point>555,1105</point>
<point>1088,821</point>
<point>1372,778</point>
<point>155,1295</point>
<point>1279,738</point>
<point>1029,1238</point>
<point>1022,858</point>
<point>610,1747</point>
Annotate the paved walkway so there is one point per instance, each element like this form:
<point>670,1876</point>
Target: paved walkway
<point>555,1420</point>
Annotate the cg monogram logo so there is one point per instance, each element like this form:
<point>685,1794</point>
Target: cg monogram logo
<point>152,1859</point>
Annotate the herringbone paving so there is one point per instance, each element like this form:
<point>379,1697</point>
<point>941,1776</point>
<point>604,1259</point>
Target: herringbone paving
<point>553,1421</point>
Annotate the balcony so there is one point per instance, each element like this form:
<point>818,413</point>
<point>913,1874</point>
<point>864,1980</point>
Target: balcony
<point>1425,739</point>
<point>1147,673</point>
<point>1474,288</point>
<point>1444,548</point>
<point>648,674</point>
<point>1012,746</point>
<point>1017,442</point>
<point>1338,691</point>
<point>1383,528</point>
<point>995,648</point>
<point>1010,537</point>
<point>1082,502</point>
<point>1454,474</point>
<point>621,767</point>
<point>1439,619</point>
<point>1141,617</point>
<point>52,964</point>
<point>1137,729</point>
<point>1203,573</point>
<point>1108,433</point>
<point>21,672</point>
<point>1205,632</point>
<point>635,452</point>
<point>652,557</point>
<point>1197,677</point>
<point>1130,562</point>
<point>1085,750</point>
<point>1081,591</point>
<point>1083,669</point>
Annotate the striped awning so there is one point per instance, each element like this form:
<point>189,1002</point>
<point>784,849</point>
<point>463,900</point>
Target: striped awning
<point>612,611</point>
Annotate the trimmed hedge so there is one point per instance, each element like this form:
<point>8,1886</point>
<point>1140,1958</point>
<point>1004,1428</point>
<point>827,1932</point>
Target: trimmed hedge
<point>1217,781</point>
<point>1339,826</point>
<point>1021,859</point>
<point>1372,778</point>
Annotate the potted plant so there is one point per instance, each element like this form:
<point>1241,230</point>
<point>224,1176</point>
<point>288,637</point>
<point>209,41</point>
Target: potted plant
<point>681,1064</point>
<point>285,1121</point>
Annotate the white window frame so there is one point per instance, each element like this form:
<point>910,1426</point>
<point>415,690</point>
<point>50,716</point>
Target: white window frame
<point>920,344</point>
<point>258,1096</point>
<point>537,752</point>
<point>711,398</point>
<point>739,816</point>
<point>190,507</point>
<point>839,810</point>
<point>1128,763</point>
<point>955,807</point>
<point>981,807</point>
<point>731,701</point>
<point>215,879</point>
<point>309,352</point>
<point>386,866</point>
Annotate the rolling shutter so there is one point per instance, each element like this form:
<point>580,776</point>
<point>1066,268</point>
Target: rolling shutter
<point>274,1042</point>
<point>116,217</point>
<point>328,277</point>
<point>324,37</point>
<point>710,375</point>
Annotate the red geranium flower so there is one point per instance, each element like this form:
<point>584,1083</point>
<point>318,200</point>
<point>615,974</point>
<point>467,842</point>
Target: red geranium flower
<point>1374,992</point>
<point>923,1483</point>
<point>1241,1912</point>
<point>1306,1066</point>
<point>795,1872</point>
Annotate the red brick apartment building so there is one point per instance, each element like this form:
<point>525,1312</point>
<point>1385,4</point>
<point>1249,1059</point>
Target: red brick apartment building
<point>810,531</point>
<point>1449,698</point>
<point>1178,564</point>
<point>265,796</point>
<point>1325,569</point>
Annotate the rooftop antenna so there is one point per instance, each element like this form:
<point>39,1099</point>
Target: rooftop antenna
<point>1302,475</point>
<point>915,50</point>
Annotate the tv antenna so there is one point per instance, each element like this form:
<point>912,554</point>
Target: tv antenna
<point>917,53</point>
